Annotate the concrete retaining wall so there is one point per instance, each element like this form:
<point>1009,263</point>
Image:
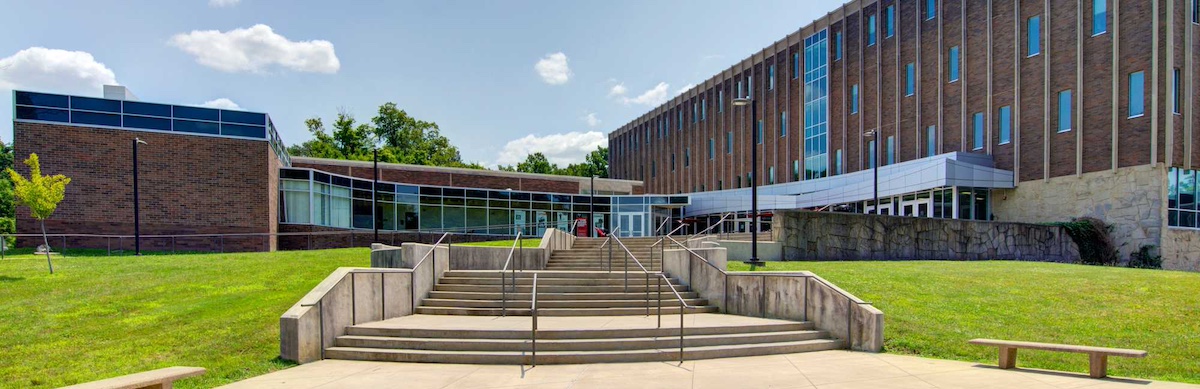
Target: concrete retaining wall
<point>799,296</point>
<point>493,258</point>
<point>350,296</point>
<point>830,236</point>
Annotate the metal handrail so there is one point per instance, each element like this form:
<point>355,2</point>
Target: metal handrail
<point>660,226</point>
<point>533,310</point>
<point>503,287</point>
<point>412,283</point>
<point>637,262</point>
<point>683,307</point>
<point>707,230</point>
<point>661,246</point>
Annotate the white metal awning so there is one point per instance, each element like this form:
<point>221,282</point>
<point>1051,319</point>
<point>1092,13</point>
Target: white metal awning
<point>945,170</point>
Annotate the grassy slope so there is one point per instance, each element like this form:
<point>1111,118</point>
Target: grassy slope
<point>98,317</point>
<point>932,308</point>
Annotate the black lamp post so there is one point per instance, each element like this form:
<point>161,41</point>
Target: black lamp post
<point>137,221</point>
<point>741,102</point>
<point>873,134</point>
<point>592,208</point>
<point>375,193</point>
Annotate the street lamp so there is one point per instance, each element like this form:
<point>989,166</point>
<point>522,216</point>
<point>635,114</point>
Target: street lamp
<point>137,225</point>
<point>874,135</point>
<point>742,102</point>
<point>375,193</point>
<point>592,208</point>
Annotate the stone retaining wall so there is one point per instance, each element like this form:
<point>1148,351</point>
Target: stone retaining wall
<point>830,236</point>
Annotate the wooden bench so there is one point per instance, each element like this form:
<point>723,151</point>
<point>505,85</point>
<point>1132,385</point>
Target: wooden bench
<point>154,379</point>
<point>1098,356</point>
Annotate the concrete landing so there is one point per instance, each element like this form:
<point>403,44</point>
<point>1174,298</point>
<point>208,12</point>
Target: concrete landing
<point>824,369</point>
<point>510,323</point>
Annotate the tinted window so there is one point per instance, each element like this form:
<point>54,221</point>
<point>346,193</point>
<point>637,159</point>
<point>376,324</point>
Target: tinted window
<point>340,181</point>
<point>147,123</point>
<point>453,192</point>
<point>90,104</point>
<point>51,115</point>
<point>102,119</point>
<point>406,189</point>
<point>243,117</point>
<point>147,109</point>
<point>295,174</point>
<point>197,113</point>
<point>42,99</point>
<point>197,127</point>
<point>247,131</point>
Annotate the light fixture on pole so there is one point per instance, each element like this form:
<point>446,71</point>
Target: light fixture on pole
<point>137,221</point>
<point>742,102</point>
<point>592,208</point>
<point>874,135</point>
<point>375,193</point>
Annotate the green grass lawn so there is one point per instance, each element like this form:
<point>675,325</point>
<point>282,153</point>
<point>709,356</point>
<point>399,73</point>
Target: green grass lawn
<point>529,243</point>
<point>931,309</point>
<point>101,316</point>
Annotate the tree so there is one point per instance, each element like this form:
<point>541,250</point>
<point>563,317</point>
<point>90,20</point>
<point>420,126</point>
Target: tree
<point>41,194</point>
<point>399,138</point>
<point>537,163</point>
<point>596,164</point>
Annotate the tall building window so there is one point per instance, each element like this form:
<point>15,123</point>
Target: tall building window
<point>729,142</point>
<point>758,133</point>
<point>1005,124</point>
<point>721,100</point>
<point>930,9</point>
<point>687,157</point>
<point>889,21</point>
<point>854,99</point>
<point>1176,96</point>
<point>653,169</point>
<point>712,148</point>
<point>679,122</point>
<point>749,85</point>
<point>1064,111</point>
<point>1137,94</point>
<point>931,141</point>
<point>837,46</point>
<point>837,163</point>
<point>771,175</point>
<point>871,154</point>
<point>771,77</point>
<point>816,105</point>
<point>953,64</point>
<point>796,170</point>
<point>739,91</point>
<point>910,83</point>
<point>795,65</point>
<point>978,126</point>
<point>1196,11</point>
<point>703,109</point>
<point>695,112</point>
<point>1099,17</point>
<point>672,161</point>
<point>783,124</point>
<point>891,150</point>
<point>1034,26</point>
<point>871,30</point>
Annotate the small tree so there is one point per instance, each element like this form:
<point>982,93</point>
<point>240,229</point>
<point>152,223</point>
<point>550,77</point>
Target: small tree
<point>40,193</point>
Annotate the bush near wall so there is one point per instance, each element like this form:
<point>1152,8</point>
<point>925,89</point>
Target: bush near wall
<point>1094,239</point>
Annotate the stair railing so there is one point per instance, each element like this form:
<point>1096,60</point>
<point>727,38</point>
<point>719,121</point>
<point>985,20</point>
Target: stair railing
<point>662,247</point>
<point>533,310</point>
<point>412,282</point>
<point>503,285</point>
<point>661,225</point>
<point>683,307</point>
<point>629,255</point>
<point>707,231</point>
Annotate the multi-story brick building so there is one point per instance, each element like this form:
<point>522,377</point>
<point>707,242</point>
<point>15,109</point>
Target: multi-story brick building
<point>1011,110</point>
<point>222,179</point>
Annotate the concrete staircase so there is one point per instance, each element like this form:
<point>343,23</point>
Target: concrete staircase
<point>588,314</point>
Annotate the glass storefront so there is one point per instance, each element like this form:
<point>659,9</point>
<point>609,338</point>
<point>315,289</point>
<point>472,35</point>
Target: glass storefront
<point>1181,198</point>
<point>318,198</point>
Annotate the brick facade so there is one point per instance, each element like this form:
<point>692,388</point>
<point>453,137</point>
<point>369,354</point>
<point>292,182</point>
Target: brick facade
<point>467,178</point>
<point>996,71</point>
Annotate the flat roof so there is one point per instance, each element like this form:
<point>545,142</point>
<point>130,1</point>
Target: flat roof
<point>455,170</point>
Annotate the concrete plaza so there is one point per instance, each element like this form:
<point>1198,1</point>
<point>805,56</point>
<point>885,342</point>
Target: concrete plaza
<point>825,369</point>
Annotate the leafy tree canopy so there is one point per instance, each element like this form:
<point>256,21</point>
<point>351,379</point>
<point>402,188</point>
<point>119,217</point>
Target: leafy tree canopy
<point>596,164</point>
<point>399,137</point>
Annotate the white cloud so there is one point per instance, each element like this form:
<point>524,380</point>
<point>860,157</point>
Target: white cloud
<point>618,90</point>
<point>560,149</point>
<point>553,69</point>
<point>222,103</point>
<point>223,3</point>
<point>54,70</point>
<point>653,97</point>
<point>591,119</point>
<point>256,49</point>
<point>684,89</point>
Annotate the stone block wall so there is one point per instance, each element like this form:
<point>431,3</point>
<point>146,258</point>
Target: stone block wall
<point>829,236</point>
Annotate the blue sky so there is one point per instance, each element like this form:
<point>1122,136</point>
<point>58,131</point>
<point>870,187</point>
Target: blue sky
<point>470,66</point>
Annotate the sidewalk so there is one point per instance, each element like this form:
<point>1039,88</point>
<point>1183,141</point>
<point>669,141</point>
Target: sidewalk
<point>825,369</point>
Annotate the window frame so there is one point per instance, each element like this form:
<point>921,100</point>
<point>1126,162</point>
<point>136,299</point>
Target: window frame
<point>1030,42</point>
<point>954,69</point>
<point>1069,112</point>
<point>1141,76</point>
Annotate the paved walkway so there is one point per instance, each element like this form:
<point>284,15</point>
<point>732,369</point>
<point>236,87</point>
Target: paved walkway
<point>825,369</point>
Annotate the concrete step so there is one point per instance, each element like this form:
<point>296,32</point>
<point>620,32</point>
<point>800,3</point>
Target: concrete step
<point>513,303</point>
<point>598,344</point>
<point>543,296</point>
<point>551,288</point>
<point>572,357</point>
<point>627,311</point>
<point>604,333</point>
<point>542,274</point>
<point>638,278</point>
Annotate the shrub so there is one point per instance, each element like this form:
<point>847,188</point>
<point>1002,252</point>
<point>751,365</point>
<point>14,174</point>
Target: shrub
<point>1145,258</point>
<point>1094,240</point>
<point>8,225</point>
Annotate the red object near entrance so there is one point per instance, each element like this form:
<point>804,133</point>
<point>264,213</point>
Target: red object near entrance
<point>581,229</point>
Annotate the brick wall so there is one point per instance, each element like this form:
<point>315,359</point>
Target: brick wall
<point>188,185</point>
<point>455,179</point>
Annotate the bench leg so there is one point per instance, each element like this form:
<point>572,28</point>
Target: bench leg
<point>1008,357</point>
<point>1099,365</point>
